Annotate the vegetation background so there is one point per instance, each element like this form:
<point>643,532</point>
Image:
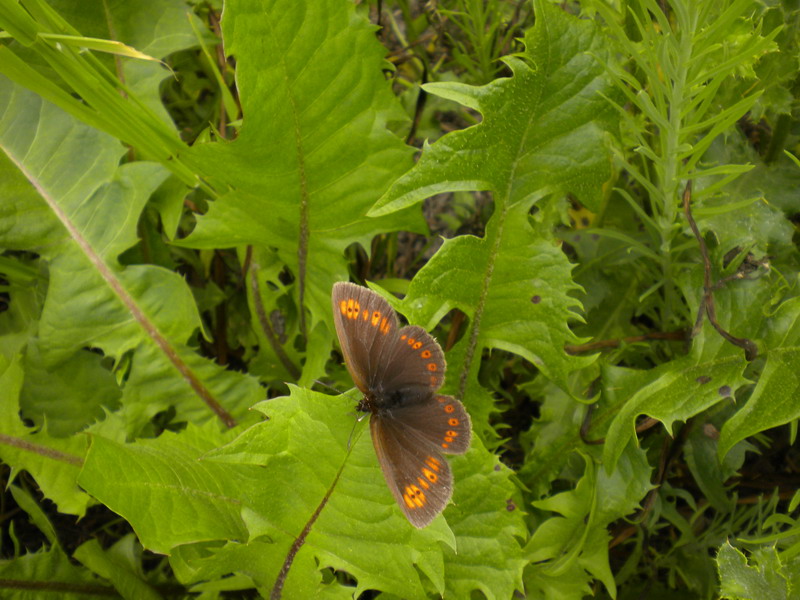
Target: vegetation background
<point>593,205</point>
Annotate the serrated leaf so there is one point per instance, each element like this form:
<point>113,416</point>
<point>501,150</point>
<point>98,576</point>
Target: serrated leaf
<point>540,134</point>
<point>80,216</point>
<point>360,530</point>
<point>671,392</point>
<point>83,386</point>
<point>488,521</point>
<point>774,399</point>
<point>53,462</point>
<point>50,572</point>
<point>684,387</point>
<point>749,215</point>
<point>740,581</point>
<point>204,499</point>
<point>313,152</point>
<point>554,437</point>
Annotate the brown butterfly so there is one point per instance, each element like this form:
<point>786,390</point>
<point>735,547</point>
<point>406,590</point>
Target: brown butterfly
<point>399,370</point>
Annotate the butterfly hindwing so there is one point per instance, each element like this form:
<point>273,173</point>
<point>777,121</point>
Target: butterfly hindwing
<point>417,474</point>
<point>443,421</point>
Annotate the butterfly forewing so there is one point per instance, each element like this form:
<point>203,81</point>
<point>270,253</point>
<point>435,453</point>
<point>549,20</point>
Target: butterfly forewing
<point>417,474</point>
<point>417,365</point>
<point>367,329</point>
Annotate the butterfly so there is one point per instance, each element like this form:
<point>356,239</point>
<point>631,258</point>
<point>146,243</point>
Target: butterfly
<point>399,370</point>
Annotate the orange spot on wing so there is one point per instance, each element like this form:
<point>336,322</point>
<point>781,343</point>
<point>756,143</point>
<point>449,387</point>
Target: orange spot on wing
<point>432,367</point>
<point>433,463</point>
<point>376,318</point>
<point>426,354</point>
<point>414,497</point>
<point>430,475</point>
<point>352,308</point>
<point>453,422</point>
<point>449,408</point>
<point>343,306</point>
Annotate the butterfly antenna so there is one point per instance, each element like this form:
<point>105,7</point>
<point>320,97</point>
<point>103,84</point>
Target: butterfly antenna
<point>330,387</point>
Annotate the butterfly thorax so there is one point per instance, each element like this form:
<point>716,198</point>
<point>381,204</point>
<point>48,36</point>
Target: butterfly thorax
<point>379,400</point>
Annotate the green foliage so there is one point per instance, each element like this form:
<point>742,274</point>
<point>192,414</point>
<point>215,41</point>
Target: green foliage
<point>768,577</point>
<point>617,295</point>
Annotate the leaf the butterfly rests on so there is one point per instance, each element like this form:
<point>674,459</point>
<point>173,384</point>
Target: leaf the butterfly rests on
<point>399,371</point>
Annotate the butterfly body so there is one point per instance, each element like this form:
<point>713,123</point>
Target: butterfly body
<point>399,370</point>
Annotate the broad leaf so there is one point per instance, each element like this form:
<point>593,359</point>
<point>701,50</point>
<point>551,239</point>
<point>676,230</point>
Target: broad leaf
<point>80,213</point>
<point>487,519</point>
<point>119,566</point>
<point>313,152</point>
<point>205,498</point>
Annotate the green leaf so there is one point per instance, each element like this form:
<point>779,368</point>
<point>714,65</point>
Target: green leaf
<point>80,215</point>
<point>84,386</point>
<point>27,503</point>
<point>49,573</point>
<point>708,471</point>
<point>54,463</point>
<point>711,373</point>
<point>157,28</point>
<point>540,135</point>
<point>204,498</point>
<point>540,132</point>
<point>487,519</point>
<point>360,529</point>
<point>740,581</point>
<point>671,392</point>
<point>746,216</point>
<point>774,399</point>
<point>116,566</point>
<point>313,152</point>
<point>566,551</point>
